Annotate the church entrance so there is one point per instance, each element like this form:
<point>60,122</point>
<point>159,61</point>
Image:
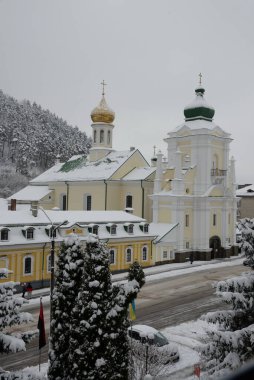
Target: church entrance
<point>215,244</point>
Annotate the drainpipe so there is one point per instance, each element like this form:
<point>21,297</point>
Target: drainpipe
<point>106,194</point>
<point>67,196</point>
<point>143,197</point>
<point>42,268</point>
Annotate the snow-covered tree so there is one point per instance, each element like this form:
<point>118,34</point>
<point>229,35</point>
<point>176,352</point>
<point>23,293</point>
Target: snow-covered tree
<point>90,336</point>
<point>136,273</point>
<point>233,343</point>
<point>10,316</point>
<point>69,277</point>
<point>99,346</point>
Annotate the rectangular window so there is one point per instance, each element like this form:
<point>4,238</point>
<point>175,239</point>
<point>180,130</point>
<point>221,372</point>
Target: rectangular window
<point>187,245</point>
<point>30,233</point>
<point>229,218</point>
<point>214,219</point>
<point>112,256</point>
<point>165,254</point>
<point>4,234</point>
<point>89,203</point>
<point>187,220</point>
<point>128,255</point>
<point>28,265</point>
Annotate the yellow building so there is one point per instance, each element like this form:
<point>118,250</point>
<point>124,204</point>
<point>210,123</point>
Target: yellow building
<point>25,239</point>
<point>106,180</point>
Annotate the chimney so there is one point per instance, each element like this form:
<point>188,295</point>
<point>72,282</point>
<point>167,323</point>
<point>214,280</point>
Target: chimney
<point>12,207</point>
<point>58,159</point>
<point>34,208</point>
<point>132,148</point>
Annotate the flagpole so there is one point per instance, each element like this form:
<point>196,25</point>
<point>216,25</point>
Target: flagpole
<point>39,346</point>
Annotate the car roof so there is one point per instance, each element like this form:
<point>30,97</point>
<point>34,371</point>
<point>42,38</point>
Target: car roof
<point>144,329</point>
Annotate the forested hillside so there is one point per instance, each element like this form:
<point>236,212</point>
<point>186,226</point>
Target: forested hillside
<point>30,140</point>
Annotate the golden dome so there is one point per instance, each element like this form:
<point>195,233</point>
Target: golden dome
<point>102,113</point>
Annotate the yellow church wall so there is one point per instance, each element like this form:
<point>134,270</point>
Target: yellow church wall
<point>77,193</point>
<point>135,161</point>
<point>113,196</point>
<point>216,192</point>
<point>164,215</point>
<point>189,178</point>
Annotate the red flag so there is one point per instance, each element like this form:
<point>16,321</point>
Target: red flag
<point>41,328</point>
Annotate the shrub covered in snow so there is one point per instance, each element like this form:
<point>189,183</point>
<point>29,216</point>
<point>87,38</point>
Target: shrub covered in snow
<point>10,315</point>
<point>233,343</point>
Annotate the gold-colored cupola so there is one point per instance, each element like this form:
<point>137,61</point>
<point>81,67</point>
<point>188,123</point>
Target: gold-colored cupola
<point>102,113</point>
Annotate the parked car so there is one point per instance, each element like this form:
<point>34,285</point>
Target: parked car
<point>147,340</point>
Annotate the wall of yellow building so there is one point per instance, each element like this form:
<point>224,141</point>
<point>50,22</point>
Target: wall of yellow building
<point>135,161</point>
<point>39,254</point>
<point>164,214</point>
<point>218,149</point>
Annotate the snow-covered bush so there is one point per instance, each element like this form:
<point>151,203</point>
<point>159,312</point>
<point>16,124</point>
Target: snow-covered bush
<point>233,343</point>
<point>10,315</point>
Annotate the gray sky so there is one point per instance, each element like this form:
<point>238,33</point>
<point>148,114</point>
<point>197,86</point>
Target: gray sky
<point>149,52</point>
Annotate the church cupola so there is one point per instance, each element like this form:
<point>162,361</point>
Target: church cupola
<point>102,117</point>
<point>199,109</point>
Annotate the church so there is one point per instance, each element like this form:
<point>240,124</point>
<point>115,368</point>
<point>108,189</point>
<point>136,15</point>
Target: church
<point>188,198</point>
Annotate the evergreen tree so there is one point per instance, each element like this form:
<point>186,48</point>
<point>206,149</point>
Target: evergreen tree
<point>10,315</point>
<point>233,343</point>
<point>136,273</point>
<point>99,347</point>
<point>69,277</point>
<point>90,336</point>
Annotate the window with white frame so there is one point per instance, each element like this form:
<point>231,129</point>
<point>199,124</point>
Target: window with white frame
<point>101,136</point>
<point>113,229</point>
<point>93,229</point>
<point>27,265</point>
<point>187,220</point>
<point>94,136</point>
<point>187,245</point>
<point>112,256</point>
<point>87,202</point>
<point>30,233</point>
<point>129,255</point>
<point>108,141</point>
<point>164,254</point>
<point>49,263</point>
<point>63,201</point>
<point>129,228</point>
<point>5,234</point>
<point>214,219</point>
<point>128,201</point>
<point>145,253</point>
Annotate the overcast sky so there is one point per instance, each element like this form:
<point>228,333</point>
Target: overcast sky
<point>149,52</point>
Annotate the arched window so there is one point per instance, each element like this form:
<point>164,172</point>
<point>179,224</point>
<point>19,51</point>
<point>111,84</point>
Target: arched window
<point>128,255</point>
<point>215,161</point>
<point>128,202</point>
<point>112,256</point>
<point>144,253</point>
<point>27,267</point>
<point>63,202</point>
<point>94,136</point>
<point>101,136</point>
<point>108,140</point>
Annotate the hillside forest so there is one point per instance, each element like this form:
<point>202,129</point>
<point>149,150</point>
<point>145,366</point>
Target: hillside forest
<point>31,138</point>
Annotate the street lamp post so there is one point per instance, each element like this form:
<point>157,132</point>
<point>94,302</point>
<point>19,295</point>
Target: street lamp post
<point>52,256</point>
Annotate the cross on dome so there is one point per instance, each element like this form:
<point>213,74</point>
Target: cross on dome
<point>103,87</point>
<point>200,79</point>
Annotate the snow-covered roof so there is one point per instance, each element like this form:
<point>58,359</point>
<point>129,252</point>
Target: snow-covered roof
<point>3,204</point>
<point>25,217</point>
<point>19,221</point>
<point>139,173</point>
<point>81,169</point>
<point>247,191</point>
<point>161,230</point>
<point>31,193</point>
<point>199,124</point>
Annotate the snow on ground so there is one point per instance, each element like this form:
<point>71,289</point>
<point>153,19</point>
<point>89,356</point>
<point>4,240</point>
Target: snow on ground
<point>186,336</point>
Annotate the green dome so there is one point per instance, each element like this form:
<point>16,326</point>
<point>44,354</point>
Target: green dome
<point>199,109</point>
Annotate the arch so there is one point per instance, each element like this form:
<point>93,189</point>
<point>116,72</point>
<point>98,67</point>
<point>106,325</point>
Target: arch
<point>215,244</point>
<point>128,201</point>
<point>94,136</point>
<point>112,256</point>
<point>108,138</point>
<point>87,202</point>
<point>215,162</point>
<point>63,201</point>
<point>27,265</point>
<point>128,255</point>
<point>145,253</point>
<point>101,136</point>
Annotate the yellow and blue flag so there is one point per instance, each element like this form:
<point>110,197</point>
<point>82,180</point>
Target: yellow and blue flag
<point>132,310</point>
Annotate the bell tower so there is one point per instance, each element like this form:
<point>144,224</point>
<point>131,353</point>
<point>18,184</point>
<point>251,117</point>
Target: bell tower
<point>102,118</point>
